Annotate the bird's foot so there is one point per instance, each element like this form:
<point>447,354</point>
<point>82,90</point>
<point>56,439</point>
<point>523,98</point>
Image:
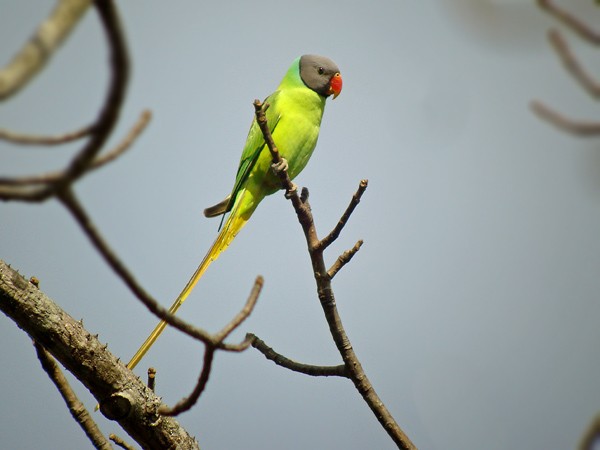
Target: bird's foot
<point>280,166</point>
<point>291,192</point>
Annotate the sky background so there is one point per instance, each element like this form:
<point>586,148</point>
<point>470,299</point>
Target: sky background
<point>473,303</point>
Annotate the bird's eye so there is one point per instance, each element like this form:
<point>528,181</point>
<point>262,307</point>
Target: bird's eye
<point>321,71</point>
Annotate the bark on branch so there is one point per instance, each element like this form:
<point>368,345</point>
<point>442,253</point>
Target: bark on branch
<point>123,396</point>
<point>324,289</point>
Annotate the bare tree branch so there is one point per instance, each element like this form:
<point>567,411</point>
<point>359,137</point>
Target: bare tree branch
<point>572,64</point>
<point>100,161</point>
<point>209,352</point>
<point>103,125</point>
<point>123,396</point>
<point>327,240</point>
<point>581,128</point>
<point>577,127</point>
<point>343,259</point>
<point>30,139</point>
<point>307,369</point>
<point>571,21</point>
<point>76,408</point>
<point>186,403</point>
<point>40,47</point>
<point>70,201</point>
<point>326,297</point>
<point>591,435</point>
<point>120,442</point>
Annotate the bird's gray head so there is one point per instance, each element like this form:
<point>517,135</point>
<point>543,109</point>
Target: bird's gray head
<point>321,75</point>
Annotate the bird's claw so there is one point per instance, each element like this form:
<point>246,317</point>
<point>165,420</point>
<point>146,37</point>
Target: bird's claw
<point>280,166</point>
<point>291,192</point>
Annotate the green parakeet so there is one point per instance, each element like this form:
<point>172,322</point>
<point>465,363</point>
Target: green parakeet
<point>294,118</point>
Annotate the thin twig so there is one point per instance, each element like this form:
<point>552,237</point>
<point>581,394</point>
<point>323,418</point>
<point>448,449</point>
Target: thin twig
<point>243,314</point>
<point>151,378</point>
<point>343,259</point>
<point>572,64</point>
<point>577,127</point>
<point>41,46</point>
<point>76,408</point>
<point>571,21</point>
<point>69,200</point>
<point>307,369</point>
<point>30,139</point>
<point>327,300</point>
<point>591,435</point>
<point>124,145</point>
<point>186,403</point>
<point>105,122</point>
<point>120,442</point>
<point>209,352</point>
<point>327,240</point>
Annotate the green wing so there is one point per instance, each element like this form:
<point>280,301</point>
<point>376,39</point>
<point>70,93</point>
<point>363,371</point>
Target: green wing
<point>255,143</point>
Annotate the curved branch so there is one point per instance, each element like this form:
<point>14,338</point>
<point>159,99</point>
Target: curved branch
<point>37,51</point>
<point>30,139</point>
<point>100,161</point>
<point>571,21</point>
<point>307,369</point>
<point>105,122</point>
<point>209,353</point>
<point>578,127</point>
<point>69,200</point>
<point>572,64</point>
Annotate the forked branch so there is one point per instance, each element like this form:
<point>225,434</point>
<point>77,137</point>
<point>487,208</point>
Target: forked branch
<point>326,297</point>
<point>572,65</point>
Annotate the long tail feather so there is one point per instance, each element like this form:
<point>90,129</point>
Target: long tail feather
<point>233,225</point>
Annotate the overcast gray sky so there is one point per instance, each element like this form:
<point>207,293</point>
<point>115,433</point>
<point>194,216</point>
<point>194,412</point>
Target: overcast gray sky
<point>473,303</point>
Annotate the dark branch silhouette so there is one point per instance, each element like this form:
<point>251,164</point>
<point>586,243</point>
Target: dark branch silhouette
<point>307,369</point>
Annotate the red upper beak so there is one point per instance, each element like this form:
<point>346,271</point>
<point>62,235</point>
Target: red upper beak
<point>335,85</point>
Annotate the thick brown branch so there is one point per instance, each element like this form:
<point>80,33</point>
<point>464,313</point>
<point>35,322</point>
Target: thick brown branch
<point>76,408</point>
<point>327,240</point>
<point>90,362</point>
<point>307,369</point>
<point>577,127</point>
<point>40,47</point>
<point>571,21</point>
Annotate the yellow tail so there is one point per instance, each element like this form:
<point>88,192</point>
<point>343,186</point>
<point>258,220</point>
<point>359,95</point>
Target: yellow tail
<point>232,226</point>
